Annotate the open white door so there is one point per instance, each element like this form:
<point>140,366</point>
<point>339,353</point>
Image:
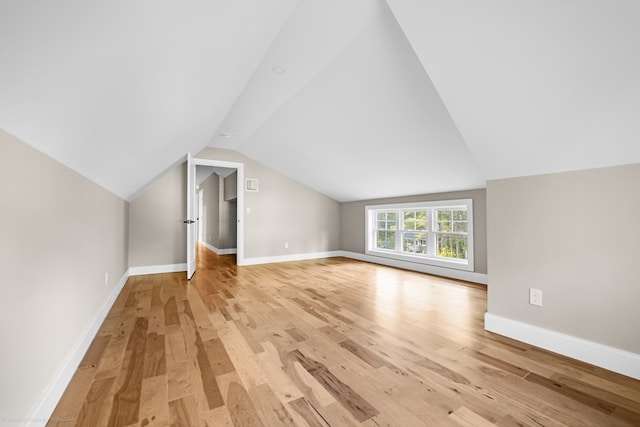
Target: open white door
<point>190,221</point>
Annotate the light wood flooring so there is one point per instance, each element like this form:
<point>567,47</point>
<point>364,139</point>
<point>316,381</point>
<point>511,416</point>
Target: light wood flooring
<point>330,342</point>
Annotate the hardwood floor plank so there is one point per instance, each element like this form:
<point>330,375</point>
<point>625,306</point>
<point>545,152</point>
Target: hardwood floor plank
<point>126,400</point>
<point>200,316</point>
<point>605,395</point>
<point>72,400</point>
<point>171,317</point>
<point>296,335</point>
<point>112,358</point>
<point>218,358</point>
<point>184,412</point>
<point>558,387</point>
<point>211,391</point>
<point>156,300</point>
<point>310,417</point>
<point>497,363</point>
<point>154,402</point>
<point>156,320</point>
<point>95,351</point>
<point>94,403</point>
<point>242,357</point>
<point>218,417</point>
<point>248,336</point>
<point>359,408</point>
<point>241,410</point>
<point>331,342</point>
<point>280,382</point>
<point>311,389</point>
<point>467,418</point>
<point>337,415</point>
<point>268,407</point>
<point>154,356</point>
<point>367,356</point>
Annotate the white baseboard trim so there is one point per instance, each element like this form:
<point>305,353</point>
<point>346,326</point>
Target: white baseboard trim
<point>157,269</point>
<point>54,393</point>
<point>613,359</point>
<point>217,251</point>
<point>468,276</point>
<point>294,257</point>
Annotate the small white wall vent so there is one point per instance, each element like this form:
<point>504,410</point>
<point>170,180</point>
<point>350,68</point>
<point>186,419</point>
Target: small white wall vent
<point>251,184</point>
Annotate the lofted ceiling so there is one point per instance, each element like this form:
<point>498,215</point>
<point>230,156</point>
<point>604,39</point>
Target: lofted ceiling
<point>357,99</point>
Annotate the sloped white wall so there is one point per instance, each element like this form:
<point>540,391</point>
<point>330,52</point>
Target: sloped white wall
<point>59,234</point>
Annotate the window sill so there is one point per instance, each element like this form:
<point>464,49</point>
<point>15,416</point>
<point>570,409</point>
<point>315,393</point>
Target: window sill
<point>439,262</point>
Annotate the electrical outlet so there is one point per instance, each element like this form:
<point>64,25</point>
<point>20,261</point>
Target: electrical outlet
<point>535,297</point>
<point>286,245</point>
<point>106,278</point>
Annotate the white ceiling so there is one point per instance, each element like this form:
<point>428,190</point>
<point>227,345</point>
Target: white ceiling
<point>378,98</point>
<point>204,172</point>
<point>534,86</point>
<point>120,90</point>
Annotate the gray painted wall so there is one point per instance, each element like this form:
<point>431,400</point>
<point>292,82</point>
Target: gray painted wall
<point>157,235</point>
<point>575,236</point>
<point>228,224</point>
<point>283,211</point>
<point>353,221</point>
<point>59,234</point>
<point>231,187</point>
<point>219,216</point>
<point>211,210</point>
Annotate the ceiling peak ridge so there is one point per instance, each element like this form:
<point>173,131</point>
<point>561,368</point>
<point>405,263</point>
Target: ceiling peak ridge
<point>276,57</point>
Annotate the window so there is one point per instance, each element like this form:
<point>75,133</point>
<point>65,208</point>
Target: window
<point>386,230</point>
<point>437,233</point>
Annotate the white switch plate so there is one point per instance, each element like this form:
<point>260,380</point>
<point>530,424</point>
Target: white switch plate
<point>535,297</point>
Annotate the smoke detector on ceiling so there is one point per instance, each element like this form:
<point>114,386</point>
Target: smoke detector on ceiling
<point>227,133</point>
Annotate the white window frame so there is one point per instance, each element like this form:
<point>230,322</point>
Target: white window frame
<point>430,258</point>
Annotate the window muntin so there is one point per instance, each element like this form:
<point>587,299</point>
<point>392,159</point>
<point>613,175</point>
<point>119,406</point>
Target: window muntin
<point>414,231</point>
<point>451,233</point>
<point>439,233</point>
<point>386,225</point>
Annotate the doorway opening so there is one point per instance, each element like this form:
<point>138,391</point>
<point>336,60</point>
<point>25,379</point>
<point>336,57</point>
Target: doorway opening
<point>215,204</point>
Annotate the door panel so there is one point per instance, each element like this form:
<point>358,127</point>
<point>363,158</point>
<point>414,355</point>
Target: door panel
<point>190,221</point>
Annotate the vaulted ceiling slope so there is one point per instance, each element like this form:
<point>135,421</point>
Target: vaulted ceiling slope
<point>357,99</point>
<point>120,90</point>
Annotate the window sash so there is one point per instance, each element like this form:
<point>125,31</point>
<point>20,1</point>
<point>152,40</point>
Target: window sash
<point>443,234</point>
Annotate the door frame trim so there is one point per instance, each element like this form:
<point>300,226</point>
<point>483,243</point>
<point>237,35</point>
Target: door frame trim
<point>240,201</point>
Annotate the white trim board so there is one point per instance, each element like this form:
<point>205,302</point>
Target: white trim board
<point>613,359</point>
<point>157,269</point>
<point>217,251</point>
<point>54,393</point>
<point>240,214</point>
<point>451,273</point>
<point>287,258</point>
